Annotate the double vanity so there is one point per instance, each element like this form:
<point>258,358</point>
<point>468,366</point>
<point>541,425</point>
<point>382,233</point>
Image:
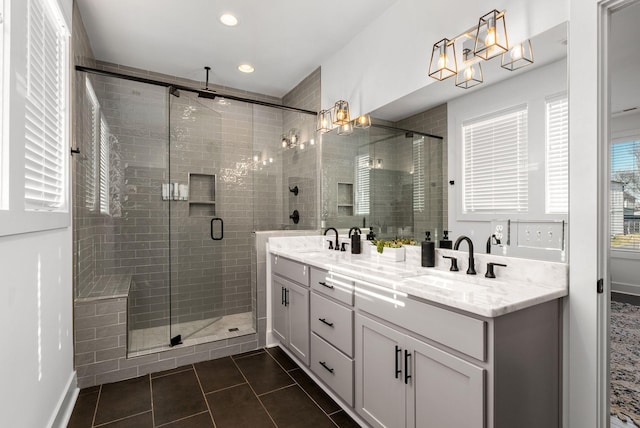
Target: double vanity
<point>405,346</point>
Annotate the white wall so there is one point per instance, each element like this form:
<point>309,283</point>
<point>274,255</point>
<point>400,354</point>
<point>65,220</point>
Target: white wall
<point>390,58</point>
<point>532,89</point>
<point>625,265</point>
<point>38,380</point>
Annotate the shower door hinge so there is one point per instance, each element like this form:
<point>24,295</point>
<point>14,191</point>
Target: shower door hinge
<point>600,286</point>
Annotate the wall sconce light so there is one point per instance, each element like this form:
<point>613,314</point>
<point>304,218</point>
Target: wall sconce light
<point>379,163</point>
<point>518,56</point>
<point>471,74</point>
<point>491,36</point>
<point>363,121</point>
<point>443,60</point>
<point>341,115</point>
<point>346,129</point>
<point>324,121</point>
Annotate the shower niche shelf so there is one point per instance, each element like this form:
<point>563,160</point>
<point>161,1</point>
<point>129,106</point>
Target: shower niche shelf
<point>345,199</point>
<point>202,195</point>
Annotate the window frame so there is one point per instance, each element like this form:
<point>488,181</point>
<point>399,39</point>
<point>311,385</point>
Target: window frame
<point>14,218</point>
<point>622,137</point>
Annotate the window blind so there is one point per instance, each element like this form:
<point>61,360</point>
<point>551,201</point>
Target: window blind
<point>104,166</point>
<point>625,195</point>
<point>495,177</point>
<point>45,160</point>
<point>557,155</point>
<point>362,185</point>
<point>418,175</point>
<point>89,163</point>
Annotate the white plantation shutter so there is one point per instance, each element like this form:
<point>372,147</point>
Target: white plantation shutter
<point>45,159</point>
<point>418,175</point>
<point>495,177</point>
<point>362,184</point>
<point>104,166</point>
<point>557,153</point>
<point>90,164</point>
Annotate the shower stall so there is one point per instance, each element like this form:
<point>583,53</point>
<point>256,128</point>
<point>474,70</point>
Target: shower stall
<point>168,187</point>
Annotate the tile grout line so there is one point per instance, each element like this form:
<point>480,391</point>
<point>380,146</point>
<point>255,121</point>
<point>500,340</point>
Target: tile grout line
<point>125,418</point>
<point>225,388</point>
<point>254,393</point>
<point>153,417</point>
<point>204,396</point>
<point>182,419</point>
<point>95,411</point>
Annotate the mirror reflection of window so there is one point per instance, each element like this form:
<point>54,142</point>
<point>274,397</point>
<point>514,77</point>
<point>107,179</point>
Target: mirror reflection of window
<point>625,195</point>
<point>362,184</point>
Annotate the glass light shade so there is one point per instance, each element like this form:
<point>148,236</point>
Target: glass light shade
<point>324,121</point>
<point>471,74</point>
<point>341,114</point>
<point>346,129</point>
<point>491,36</point>
<point>443,60</point>
<point>285,142</point>
<point>518,56</point>
<point>363,121</point>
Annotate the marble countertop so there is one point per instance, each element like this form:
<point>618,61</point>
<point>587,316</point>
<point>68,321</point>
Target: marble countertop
<point>523,283</point>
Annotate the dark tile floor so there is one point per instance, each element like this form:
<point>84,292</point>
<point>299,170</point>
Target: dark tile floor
<point>263,388</point>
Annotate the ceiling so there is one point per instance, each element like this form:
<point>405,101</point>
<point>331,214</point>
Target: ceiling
<point>285,40</point>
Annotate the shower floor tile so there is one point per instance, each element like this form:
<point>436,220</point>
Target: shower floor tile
<point>147,340</point>
<point>195,397</point>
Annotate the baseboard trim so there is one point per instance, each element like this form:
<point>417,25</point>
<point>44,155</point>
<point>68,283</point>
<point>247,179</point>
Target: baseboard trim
<point>62,414</point>
<point>625,288</point>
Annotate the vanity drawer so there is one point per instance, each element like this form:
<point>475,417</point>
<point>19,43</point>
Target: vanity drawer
<point>457,331</point>
<point>338,288</point>
<point>333,322</point>
<point>294,271</point>
<point>333,368</point>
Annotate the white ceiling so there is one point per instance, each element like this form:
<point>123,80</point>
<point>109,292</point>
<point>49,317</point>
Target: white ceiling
<point>284,40</point>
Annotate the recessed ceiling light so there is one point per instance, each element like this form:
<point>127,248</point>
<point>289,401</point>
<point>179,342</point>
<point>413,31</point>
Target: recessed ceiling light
<point>246,68</point>
<point>229,20</point>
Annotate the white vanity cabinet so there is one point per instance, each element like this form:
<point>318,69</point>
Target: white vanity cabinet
<point>332,332</point>
<point>290,305</point>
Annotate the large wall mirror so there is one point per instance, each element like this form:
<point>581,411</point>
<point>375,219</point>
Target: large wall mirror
<point>404,183</point>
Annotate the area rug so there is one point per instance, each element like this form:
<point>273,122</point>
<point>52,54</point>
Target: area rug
<point>625,361</point>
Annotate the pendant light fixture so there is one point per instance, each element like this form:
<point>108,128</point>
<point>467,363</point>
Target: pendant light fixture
<point>443,60</point>
<point>520,55</point>
<point>346,129</point>
<point>324,121</point>
<point>363,121</point>
<point>491,35</point>
<point>471,74</point>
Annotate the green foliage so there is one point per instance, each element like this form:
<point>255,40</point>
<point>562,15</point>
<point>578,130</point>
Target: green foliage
<point>394,243</point>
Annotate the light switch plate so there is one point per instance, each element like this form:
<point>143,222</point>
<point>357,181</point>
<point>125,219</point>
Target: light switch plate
<point>543,235</point>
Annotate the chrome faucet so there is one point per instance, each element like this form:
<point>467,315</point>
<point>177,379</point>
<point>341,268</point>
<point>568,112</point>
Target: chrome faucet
<point>336,247</point>
<point>471,270</point>
<point>355,229</point>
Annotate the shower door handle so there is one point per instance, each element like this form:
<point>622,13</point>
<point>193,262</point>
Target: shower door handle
<point>213,220</point>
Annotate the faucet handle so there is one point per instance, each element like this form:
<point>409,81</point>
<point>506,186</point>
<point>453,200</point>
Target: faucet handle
<point>342,246</point>
<point>330,244</point>
<point>454,263</point>
<point>490,273</point>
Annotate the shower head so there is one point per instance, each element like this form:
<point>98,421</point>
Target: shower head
<point>174,91</point>
<point>206,94</point>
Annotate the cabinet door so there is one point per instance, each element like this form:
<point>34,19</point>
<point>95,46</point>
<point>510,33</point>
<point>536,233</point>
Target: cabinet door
<point>379,376</point>
<point>298,306</point>
<point>279,320</point>
<point>443,391</point>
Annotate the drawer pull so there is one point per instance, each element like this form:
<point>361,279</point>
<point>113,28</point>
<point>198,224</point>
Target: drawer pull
<point>282,296</point>
<point>407,376</point>
<point>324,284</point>
<point>324,321</point>
<point>327,368</point>
<point>398,370</point>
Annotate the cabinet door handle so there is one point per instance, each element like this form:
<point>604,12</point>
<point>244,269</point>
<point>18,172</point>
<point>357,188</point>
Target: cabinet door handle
<point>327,368</point>
<point>398,369</point>
<point>407,376</point>
<point>324,284</point>
<point>324,321</point>
<point>286,297</point>
<point>282,295</point>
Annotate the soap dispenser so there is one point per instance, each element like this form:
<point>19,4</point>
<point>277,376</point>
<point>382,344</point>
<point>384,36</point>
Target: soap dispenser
<point>428,251</point>
<point>355,243</point>
<point>445,242</point>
